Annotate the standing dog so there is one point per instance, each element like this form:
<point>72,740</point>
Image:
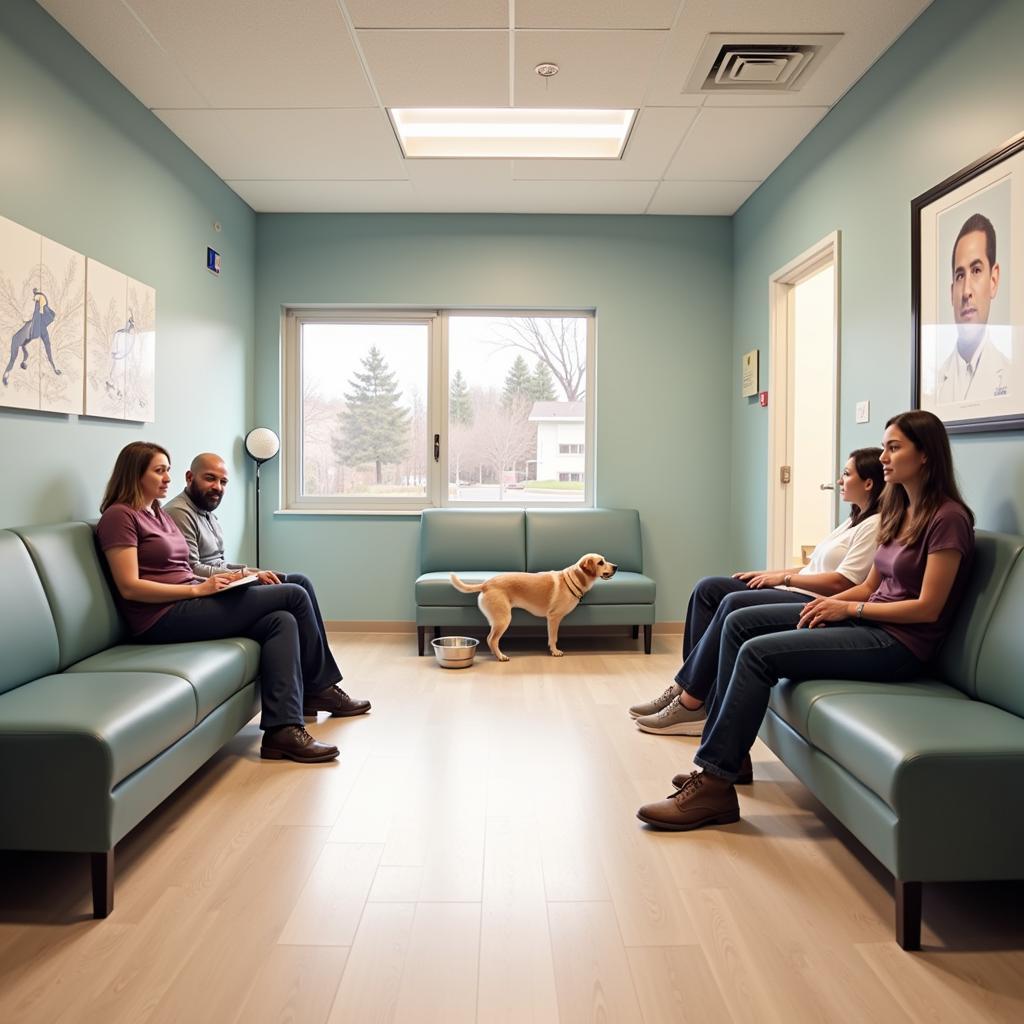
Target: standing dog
<point>550,595</point>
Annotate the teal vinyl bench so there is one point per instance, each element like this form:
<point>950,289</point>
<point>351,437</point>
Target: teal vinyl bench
<point>96,732</point>
<point>928,774</point>
<point>477,544</point>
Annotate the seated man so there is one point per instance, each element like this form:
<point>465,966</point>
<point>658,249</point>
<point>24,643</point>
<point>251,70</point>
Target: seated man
<point>192,511</point>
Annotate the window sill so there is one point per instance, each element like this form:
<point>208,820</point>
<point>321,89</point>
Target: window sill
<point>367,513</point>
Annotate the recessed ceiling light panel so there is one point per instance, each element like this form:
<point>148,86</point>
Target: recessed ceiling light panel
<point>512,133</point>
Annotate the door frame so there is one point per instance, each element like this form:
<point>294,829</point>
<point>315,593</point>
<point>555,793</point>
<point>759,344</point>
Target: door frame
<point>780,384</point>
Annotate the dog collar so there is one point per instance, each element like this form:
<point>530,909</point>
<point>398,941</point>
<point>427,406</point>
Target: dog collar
<point>572,585</point>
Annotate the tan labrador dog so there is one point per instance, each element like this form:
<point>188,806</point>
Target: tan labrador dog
<point>548,595</point>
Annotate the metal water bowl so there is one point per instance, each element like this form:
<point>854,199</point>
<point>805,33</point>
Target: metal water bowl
<point>454,651</point>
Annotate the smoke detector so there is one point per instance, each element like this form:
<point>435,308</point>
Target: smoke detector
<point>546,70</point>
<point>759,62</point>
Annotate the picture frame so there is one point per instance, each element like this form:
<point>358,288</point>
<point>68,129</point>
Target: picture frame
<point>967,295</point>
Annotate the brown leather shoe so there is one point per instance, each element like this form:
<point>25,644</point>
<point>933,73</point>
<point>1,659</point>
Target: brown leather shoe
<point>336,701</point>
<point>702,799</point>
<point>293,743</point>
<point>745,777</point>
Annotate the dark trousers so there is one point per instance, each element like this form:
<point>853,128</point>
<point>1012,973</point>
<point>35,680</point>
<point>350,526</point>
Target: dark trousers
<point>762,645</point>
<point>711,602</point>
<point>281,618</point>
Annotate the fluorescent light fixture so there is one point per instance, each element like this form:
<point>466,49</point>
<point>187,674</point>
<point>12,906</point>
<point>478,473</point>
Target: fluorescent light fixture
<point>512,133</point>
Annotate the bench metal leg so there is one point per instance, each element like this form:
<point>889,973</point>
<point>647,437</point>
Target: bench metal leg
<point>437,632</point>
<point>421,636</point>
<point>102,883</point>
<point>647,639</point>
<point>908,913</point>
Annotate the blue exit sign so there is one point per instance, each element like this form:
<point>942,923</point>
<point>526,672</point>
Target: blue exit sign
<point>212,261</point>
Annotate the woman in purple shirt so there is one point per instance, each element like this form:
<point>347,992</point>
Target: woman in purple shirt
<point>883,630</point>
<point>163,602</point>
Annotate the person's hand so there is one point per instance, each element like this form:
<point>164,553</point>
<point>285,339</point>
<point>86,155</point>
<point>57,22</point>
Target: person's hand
<point>266,576</point>
<point>762,578</point>
<point>824,609</point>
<point>215,583</point>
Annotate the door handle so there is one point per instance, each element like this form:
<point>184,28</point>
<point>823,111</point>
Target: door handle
<point>827,487</point>
<point>437,447</point>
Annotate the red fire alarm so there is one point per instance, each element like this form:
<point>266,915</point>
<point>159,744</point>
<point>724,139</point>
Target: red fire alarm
<point>762,397</point>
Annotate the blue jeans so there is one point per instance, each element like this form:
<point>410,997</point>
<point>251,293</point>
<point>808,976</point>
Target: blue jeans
<point>761,646</point>
<point>711,602</point>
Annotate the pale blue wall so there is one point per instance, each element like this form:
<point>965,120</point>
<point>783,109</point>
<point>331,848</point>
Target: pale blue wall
<point>949,91</point>
<point>662,287</point>
<point>85,163</point>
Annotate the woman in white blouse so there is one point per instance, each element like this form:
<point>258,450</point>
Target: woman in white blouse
<point>843,559</point>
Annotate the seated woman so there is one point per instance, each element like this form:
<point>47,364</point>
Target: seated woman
<point>163,602</point>
<point>842,559</point>
<point>884,630</point>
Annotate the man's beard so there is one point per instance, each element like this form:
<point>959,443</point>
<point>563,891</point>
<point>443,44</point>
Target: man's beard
<point>207,502</point>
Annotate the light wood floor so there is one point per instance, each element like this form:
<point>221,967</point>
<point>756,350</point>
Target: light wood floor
<point>474,856</point>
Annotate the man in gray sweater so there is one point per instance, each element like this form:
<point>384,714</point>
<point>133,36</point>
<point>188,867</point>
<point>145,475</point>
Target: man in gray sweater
<point>193,511</point>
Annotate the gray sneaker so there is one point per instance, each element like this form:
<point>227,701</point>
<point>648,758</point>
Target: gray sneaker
<point>652,707</point>
<point>674,720</point>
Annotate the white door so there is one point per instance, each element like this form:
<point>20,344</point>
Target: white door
<point>803,390</point>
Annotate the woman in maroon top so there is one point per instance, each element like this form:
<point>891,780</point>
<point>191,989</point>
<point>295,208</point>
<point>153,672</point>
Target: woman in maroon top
<point>886,629</point>
<point>163,602</point>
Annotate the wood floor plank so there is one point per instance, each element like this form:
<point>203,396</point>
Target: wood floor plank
<point>517,982</point>
<point>675,983</point>
<point>591,968</point>
<point>294,984</point>
<point>369,987</point>
<point>328,909</point>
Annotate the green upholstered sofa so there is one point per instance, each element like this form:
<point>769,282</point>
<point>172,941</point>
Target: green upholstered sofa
<point>95,732</point>
<point>477,544</point>
<point>928,775</point>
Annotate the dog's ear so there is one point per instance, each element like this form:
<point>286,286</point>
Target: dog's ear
<point>589,565</point>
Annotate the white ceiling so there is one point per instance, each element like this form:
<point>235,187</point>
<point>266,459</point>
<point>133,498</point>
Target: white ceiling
<point>286,101</point>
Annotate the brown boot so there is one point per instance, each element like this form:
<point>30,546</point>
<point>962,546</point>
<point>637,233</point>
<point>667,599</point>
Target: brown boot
<point>745,777</point>
<point>335,701</point>
<point>293,743</point>
<point>702,799</point>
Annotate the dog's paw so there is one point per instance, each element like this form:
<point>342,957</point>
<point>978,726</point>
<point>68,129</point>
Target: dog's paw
<point>503,657</point>
<point>556,653</point>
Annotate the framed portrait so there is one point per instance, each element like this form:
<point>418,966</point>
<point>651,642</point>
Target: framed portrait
<point>967,290</point>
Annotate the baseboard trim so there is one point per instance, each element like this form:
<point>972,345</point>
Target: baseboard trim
<point>401,626</point>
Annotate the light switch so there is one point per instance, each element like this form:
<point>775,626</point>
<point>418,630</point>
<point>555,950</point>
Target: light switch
<point>863,411</point>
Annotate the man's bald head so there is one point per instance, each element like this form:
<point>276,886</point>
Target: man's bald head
<point>206,480</point>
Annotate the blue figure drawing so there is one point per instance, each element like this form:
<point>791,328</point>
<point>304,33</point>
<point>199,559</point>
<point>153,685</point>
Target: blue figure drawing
<point>42,316</point>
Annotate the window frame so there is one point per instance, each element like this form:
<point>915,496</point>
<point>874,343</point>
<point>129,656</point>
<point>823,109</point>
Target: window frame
<point>437,397</point>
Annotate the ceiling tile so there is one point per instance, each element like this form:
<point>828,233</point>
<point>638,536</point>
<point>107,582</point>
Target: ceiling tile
<point>701,198</point>
<point>324,196</point>
<point>597,69</point>
<point>615,197</point>
<point>650,147</point>
<point>438,69</point>
<point>343,143</point>
<point>428,13</point>
<point>741,143</point>
<point>116,38</point>
<point>594,13</point>
<point>242,54</point>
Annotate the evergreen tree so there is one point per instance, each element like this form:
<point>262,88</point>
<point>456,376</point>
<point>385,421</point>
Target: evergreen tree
<point>542,384</point>
<point>460,406</point>
<point>374,427</point>
<point>517,382</point>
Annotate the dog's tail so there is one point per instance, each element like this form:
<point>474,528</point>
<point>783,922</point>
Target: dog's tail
<point>466,588</point>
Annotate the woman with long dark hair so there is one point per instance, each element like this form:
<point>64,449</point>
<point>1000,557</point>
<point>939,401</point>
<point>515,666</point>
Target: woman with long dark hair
<point>886,629</point>
<point>163,602</point>
<point>840,561</point>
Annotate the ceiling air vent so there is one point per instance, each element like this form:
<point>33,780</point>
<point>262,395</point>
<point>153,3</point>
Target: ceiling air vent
<point>758,63</point>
